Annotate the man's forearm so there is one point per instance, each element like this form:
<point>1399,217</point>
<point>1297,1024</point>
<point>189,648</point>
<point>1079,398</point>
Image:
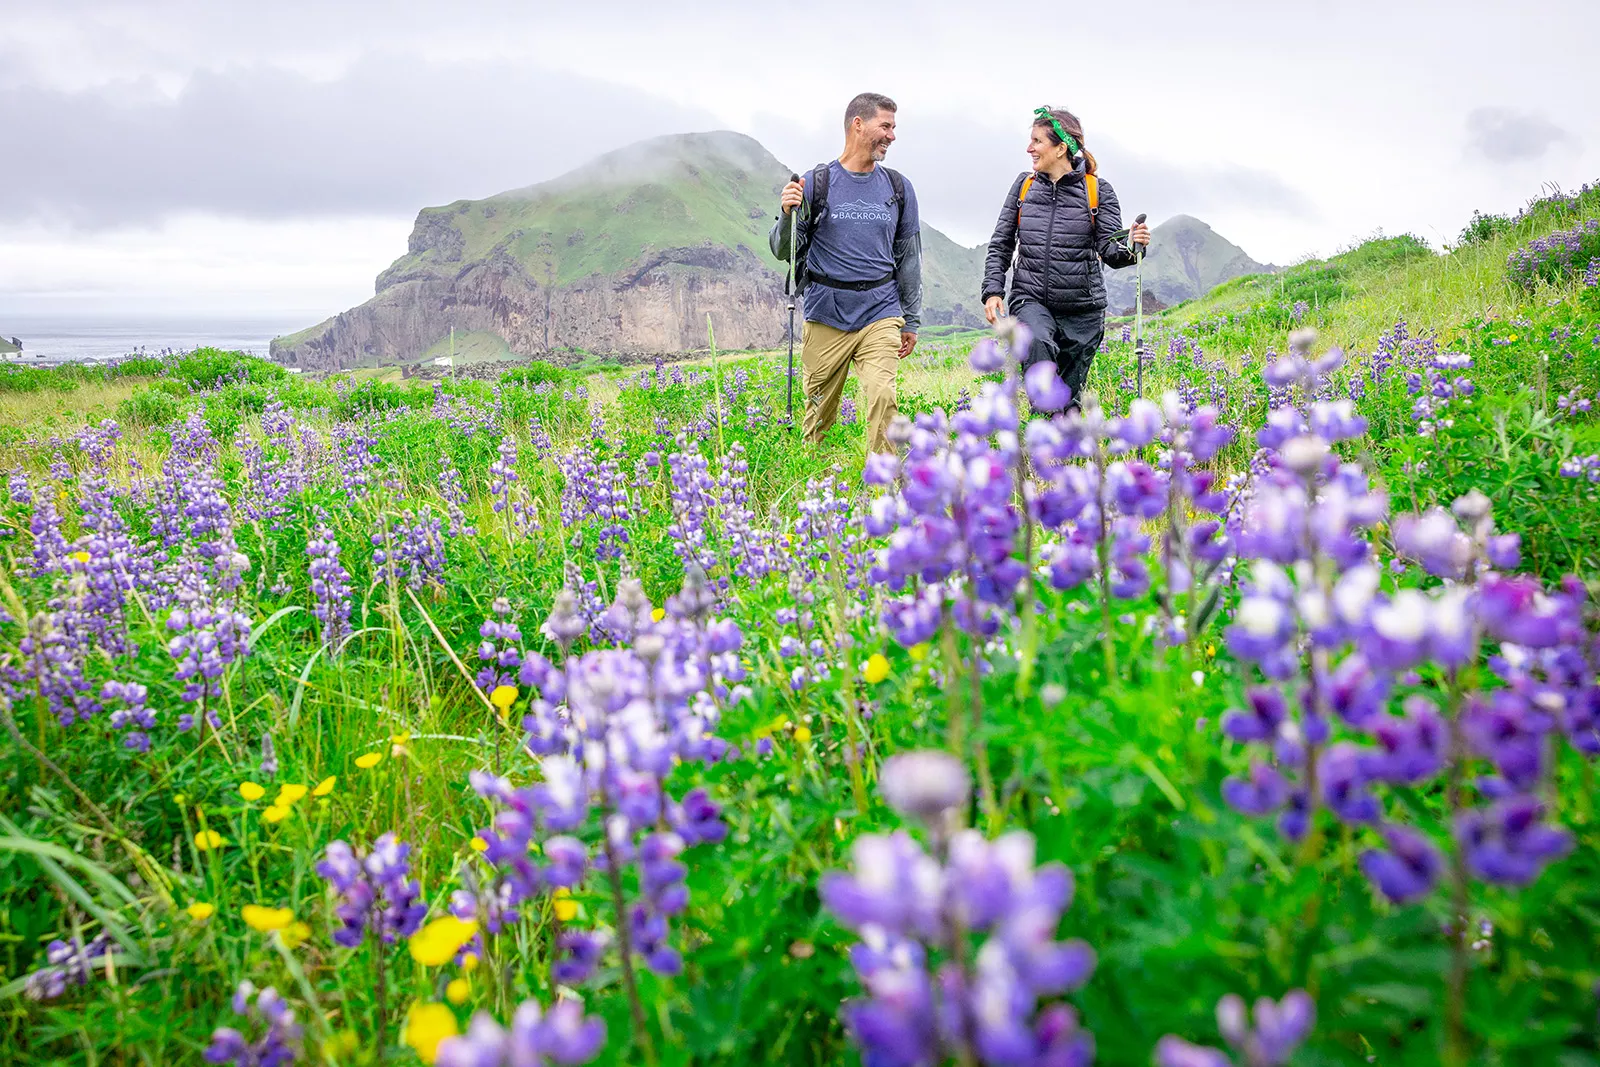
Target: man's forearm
<point>908,278</point>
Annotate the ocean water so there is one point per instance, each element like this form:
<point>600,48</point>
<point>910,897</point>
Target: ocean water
<point>67,337</point>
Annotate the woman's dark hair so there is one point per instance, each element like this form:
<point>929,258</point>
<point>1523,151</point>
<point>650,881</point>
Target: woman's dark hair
<point>1070,123</point>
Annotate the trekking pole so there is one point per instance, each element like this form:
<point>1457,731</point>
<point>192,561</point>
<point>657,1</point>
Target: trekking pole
<point>1138,308</point>
<point>791,287</point>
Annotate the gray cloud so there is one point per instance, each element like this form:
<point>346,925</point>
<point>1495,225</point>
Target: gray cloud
<point>389,136</point>
<point>1503,135</point>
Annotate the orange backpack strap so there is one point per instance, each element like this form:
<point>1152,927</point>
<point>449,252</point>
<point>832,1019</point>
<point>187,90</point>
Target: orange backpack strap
<point>1092,183</point>
<point>1022,194</point>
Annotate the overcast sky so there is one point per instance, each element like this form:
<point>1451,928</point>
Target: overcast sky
<point>219,157</point>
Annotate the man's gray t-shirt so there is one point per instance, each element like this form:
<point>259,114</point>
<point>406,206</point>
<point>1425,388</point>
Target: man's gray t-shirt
<point>865,236</point>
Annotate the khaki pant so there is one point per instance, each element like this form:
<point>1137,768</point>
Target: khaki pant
<point>826,356</point>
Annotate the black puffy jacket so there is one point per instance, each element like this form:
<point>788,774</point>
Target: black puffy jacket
<point>1059,250</point>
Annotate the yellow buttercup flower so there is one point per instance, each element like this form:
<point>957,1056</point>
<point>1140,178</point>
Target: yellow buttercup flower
<point>801,734</point>
<point>426,1028</point>
<point>200,911</point>
<point>343,1044</point>
<point>295,934</point>
<point>658,614</point>
<point>266,919</point>
<point>478,844</point>
<point>275,814</point>
<point>81,557</point>
<point>437,943</point>
<point>206,840</point>
<point>288,794</point>
<point>368,760</point>
<point>876,669</point>
<point>325,786</point>
<point>918,653</point>
<point>566,907</point>
<point>503,697</point>
<point>252,792</point>
<point>469,962</point>
<point>458,991</point>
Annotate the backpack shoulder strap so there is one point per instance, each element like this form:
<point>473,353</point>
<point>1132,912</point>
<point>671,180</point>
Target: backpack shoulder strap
<point>1022,194</point>
<point>897,182</point>
<point>819,193</point>
<point>1092,184</point>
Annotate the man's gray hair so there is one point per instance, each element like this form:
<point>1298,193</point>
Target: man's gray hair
<point>866,107</point>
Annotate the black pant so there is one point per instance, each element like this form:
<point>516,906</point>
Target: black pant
<point>1070,339</point>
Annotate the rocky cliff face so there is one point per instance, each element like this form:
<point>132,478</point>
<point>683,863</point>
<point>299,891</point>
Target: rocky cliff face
<point>659,309</point>
<point>626,256</point>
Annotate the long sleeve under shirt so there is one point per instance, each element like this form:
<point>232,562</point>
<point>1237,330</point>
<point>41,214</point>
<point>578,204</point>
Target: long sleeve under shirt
<point>859,241</point>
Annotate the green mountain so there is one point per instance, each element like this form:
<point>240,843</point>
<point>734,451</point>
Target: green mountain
<point>628,254</point>
<point>1187,259</point>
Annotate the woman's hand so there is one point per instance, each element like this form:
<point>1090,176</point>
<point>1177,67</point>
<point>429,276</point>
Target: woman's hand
<point>1140,233</point>
<point>995,307</point>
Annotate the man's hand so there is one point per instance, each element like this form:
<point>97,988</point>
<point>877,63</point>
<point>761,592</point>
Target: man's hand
<point>1140,234</point>
<point>793,194</point>
<point>908,341</point>
<point>994,308</point>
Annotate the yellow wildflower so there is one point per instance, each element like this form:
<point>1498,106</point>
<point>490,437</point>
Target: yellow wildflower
<point>566,907</point>
<point>206,840</point>
<point>426,1028</point>
<point>658,614</point>
<point>252,792</point>
<point>478,844</point>
<point>343,1044</point>
<point>437,943</point>
<point>325,786</point>
<point>288,794</point>
<point>295,934</point>
<point>458,991</point>
<point>81,557</point>
<point>266,919</point>
<point>503,697</point>
<point>801,734</point>
<point>876,669</point>
<point>368,760</point>
<point>469,962</point>
<point>275,814</point>
<point>200,911</point>
<point>918,652</point>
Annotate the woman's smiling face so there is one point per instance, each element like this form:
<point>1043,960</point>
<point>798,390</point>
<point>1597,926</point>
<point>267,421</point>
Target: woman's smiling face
<point>1041,151</point>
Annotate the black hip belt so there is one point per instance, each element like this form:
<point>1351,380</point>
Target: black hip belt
<point>854,287</point>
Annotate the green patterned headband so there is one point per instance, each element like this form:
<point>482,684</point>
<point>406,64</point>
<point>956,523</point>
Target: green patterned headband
<point>1042,115</point>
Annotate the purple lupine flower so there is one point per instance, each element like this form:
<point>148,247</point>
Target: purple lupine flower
<point>134,716</point>
<point>1280,1028</point>
<point>330,586</point>
<point>499,648</point>
<point>1408,870</point>
<point>410,546</point>
<point>378,893</point>
<point>279,1041</point>
<point>66,963</point>
<point>901,899</point>
<point>1507,843</point>
<point>563,1035</point>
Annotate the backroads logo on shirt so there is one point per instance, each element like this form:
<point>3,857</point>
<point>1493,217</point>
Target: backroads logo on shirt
<point>860,211</point>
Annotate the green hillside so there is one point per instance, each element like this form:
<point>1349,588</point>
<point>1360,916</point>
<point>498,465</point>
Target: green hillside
<point>713,190</point>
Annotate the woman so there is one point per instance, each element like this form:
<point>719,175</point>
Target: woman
<point>1062,221</point>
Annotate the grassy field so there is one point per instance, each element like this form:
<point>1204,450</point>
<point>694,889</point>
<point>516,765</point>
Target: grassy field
<point>574,704</point>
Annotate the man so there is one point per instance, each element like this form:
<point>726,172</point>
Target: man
<point>861,271</point>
